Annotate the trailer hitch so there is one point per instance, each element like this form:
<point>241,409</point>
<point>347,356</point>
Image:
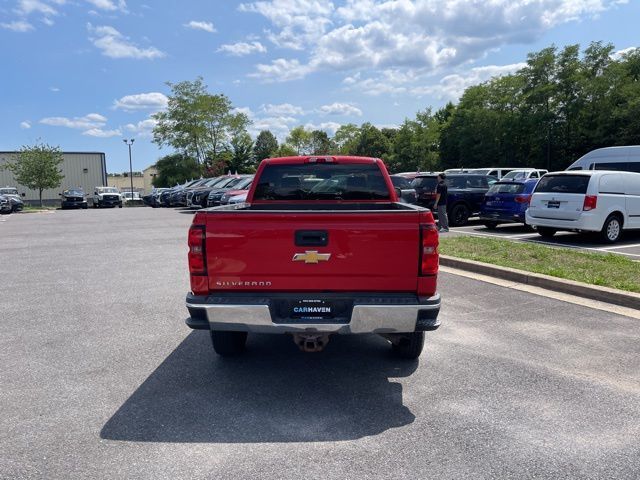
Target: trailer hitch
<point>311,342</point>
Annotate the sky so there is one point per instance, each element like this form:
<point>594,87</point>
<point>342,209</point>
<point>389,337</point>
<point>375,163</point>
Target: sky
<point>85,74</point>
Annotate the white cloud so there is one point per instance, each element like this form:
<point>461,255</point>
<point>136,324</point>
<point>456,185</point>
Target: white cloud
<point>92,120</point>
<point>300,21</point>
<point>281,70</point>
<point>109,5</point>
<point>205,26</point>
<point>26,124</point>
<point>278,125</point>
<point>387,82</point>
<point>344,109</point>
<point>142,101</point>
<point>426,35</point>
<point>329,127</point>
<point>242,48</point>
<point>17,26</point>
<point>26,7</point>
<point>451,87</point>
<point>100,133</point>
<point>282,109</point>
<point>54,89</point>
<point>115,45</point>
<point>143,129</point>
<point>92,125</point>
<point>620,53</point>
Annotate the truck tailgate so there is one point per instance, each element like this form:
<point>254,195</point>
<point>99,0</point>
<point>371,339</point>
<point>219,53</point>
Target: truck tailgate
<point>308,251</point>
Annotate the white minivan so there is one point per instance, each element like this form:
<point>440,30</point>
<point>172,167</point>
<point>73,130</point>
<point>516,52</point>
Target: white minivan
<point>586,201</point>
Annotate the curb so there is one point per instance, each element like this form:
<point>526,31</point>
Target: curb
<point>602,294</point>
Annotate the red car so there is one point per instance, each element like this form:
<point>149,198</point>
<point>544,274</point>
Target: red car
<point>322,246</point>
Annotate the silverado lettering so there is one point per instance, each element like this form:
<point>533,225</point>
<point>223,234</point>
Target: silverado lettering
<point>243,284</point>
<point>381,277</point>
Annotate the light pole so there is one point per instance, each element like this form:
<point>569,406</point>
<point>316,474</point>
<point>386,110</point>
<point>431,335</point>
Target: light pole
<point>129,143</point>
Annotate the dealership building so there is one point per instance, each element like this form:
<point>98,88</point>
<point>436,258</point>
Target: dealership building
<point>80,169</point>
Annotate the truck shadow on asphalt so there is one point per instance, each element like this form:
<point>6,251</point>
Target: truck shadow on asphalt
<point>273,393</point>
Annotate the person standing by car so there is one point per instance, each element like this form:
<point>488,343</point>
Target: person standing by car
<point>441,204</point>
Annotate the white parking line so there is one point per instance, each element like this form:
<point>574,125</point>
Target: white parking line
<point>533,239</point>
<point>495,235</point>
<point>622,246</point>
<point>580,247</point>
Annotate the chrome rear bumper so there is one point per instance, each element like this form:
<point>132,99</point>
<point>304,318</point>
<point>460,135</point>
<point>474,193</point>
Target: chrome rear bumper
<point>365,318</point>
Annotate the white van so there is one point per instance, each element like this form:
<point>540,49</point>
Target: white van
<point>497,172</point>
<point>586,201</point>
<point>522,174</point>
<point>622,159</point>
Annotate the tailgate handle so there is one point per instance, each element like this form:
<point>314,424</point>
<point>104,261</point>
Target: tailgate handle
<point>311,238</point>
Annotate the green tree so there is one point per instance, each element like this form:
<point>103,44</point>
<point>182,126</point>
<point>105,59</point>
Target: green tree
<point>371,142</point>
<point>300,140</point>
<point>37,167</point>
<point>285,150</point>
<point>346,138</point>
<point>242,159</point>
<point>175,169</point>
<point>266,145</point>
<point>321,144</point>
<point>196,123</point>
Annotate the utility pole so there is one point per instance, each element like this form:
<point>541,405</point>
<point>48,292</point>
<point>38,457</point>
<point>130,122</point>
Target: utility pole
<point>129,143</point>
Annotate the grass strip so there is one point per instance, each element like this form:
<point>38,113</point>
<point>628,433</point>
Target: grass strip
<point>604,269</point>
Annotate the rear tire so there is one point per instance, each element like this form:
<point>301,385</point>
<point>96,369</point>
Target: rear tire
<point>228,344</point>
<point>459,215</point>
<point>612,229</point>
<point>410,345</point>
<point>491,225</point>
<point>546,232</point>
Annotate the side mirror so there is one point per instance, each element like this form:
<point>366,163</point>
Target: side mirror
<point>398,192</point>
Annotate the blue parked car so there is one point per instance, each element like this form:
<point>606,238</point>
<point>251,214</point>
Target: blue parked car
<point>506,202</point>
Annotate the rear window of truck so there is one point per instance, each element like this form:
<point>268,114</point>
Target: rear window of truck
<point>563,184</point>
<point>321,181</point>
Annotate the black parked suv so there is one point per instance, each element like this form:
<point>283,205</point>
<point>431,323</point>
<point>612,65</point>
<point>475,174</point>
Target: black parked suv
<point>73,198</point>
<point>466,193</point>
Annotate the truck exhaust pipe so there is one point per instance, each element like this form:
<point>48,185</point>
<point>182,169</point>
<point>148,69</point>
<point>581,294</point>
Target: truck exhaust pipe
<point>311,342</point>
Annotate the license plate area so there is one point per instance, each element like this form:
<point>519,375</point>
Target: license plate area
<point>311,310</point>
<point>552,204</point>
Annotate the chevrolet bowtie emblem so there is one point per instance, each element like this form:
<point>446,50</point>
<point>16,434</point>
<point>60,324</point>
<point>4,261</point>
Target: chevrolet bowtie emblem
<point>311,256</point>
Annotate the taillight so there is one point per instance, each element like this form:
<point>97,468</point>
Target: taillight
<point>590,202</point>
<point>523,198</point>
<point>429,258</point>
<point>197,258</point>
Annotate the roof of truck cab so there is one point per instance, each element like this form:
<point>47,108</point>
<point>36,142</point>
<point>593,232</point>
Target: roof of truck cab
<point>335,158</point>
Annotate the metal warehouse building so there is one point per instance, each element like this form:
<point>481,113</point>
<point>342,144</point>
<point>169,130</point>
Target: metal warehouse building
<point>80,169</point>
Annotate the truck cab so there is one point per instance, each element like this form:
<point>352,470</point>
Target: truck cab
<point>106,197</point>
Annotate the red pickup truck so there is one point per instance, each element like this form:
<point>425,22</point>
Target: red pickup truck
<point>321,246</point>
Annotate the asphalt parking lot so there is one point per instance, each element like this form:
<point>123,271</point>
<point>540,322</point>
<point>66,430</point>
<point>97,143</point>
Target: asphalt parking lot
<point>628,246</point>
<point>100,377</point>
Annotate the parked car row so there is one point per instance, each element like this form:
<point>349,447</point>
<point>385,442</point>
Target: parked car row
<point>202,193</point>
<point>598,193</point>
